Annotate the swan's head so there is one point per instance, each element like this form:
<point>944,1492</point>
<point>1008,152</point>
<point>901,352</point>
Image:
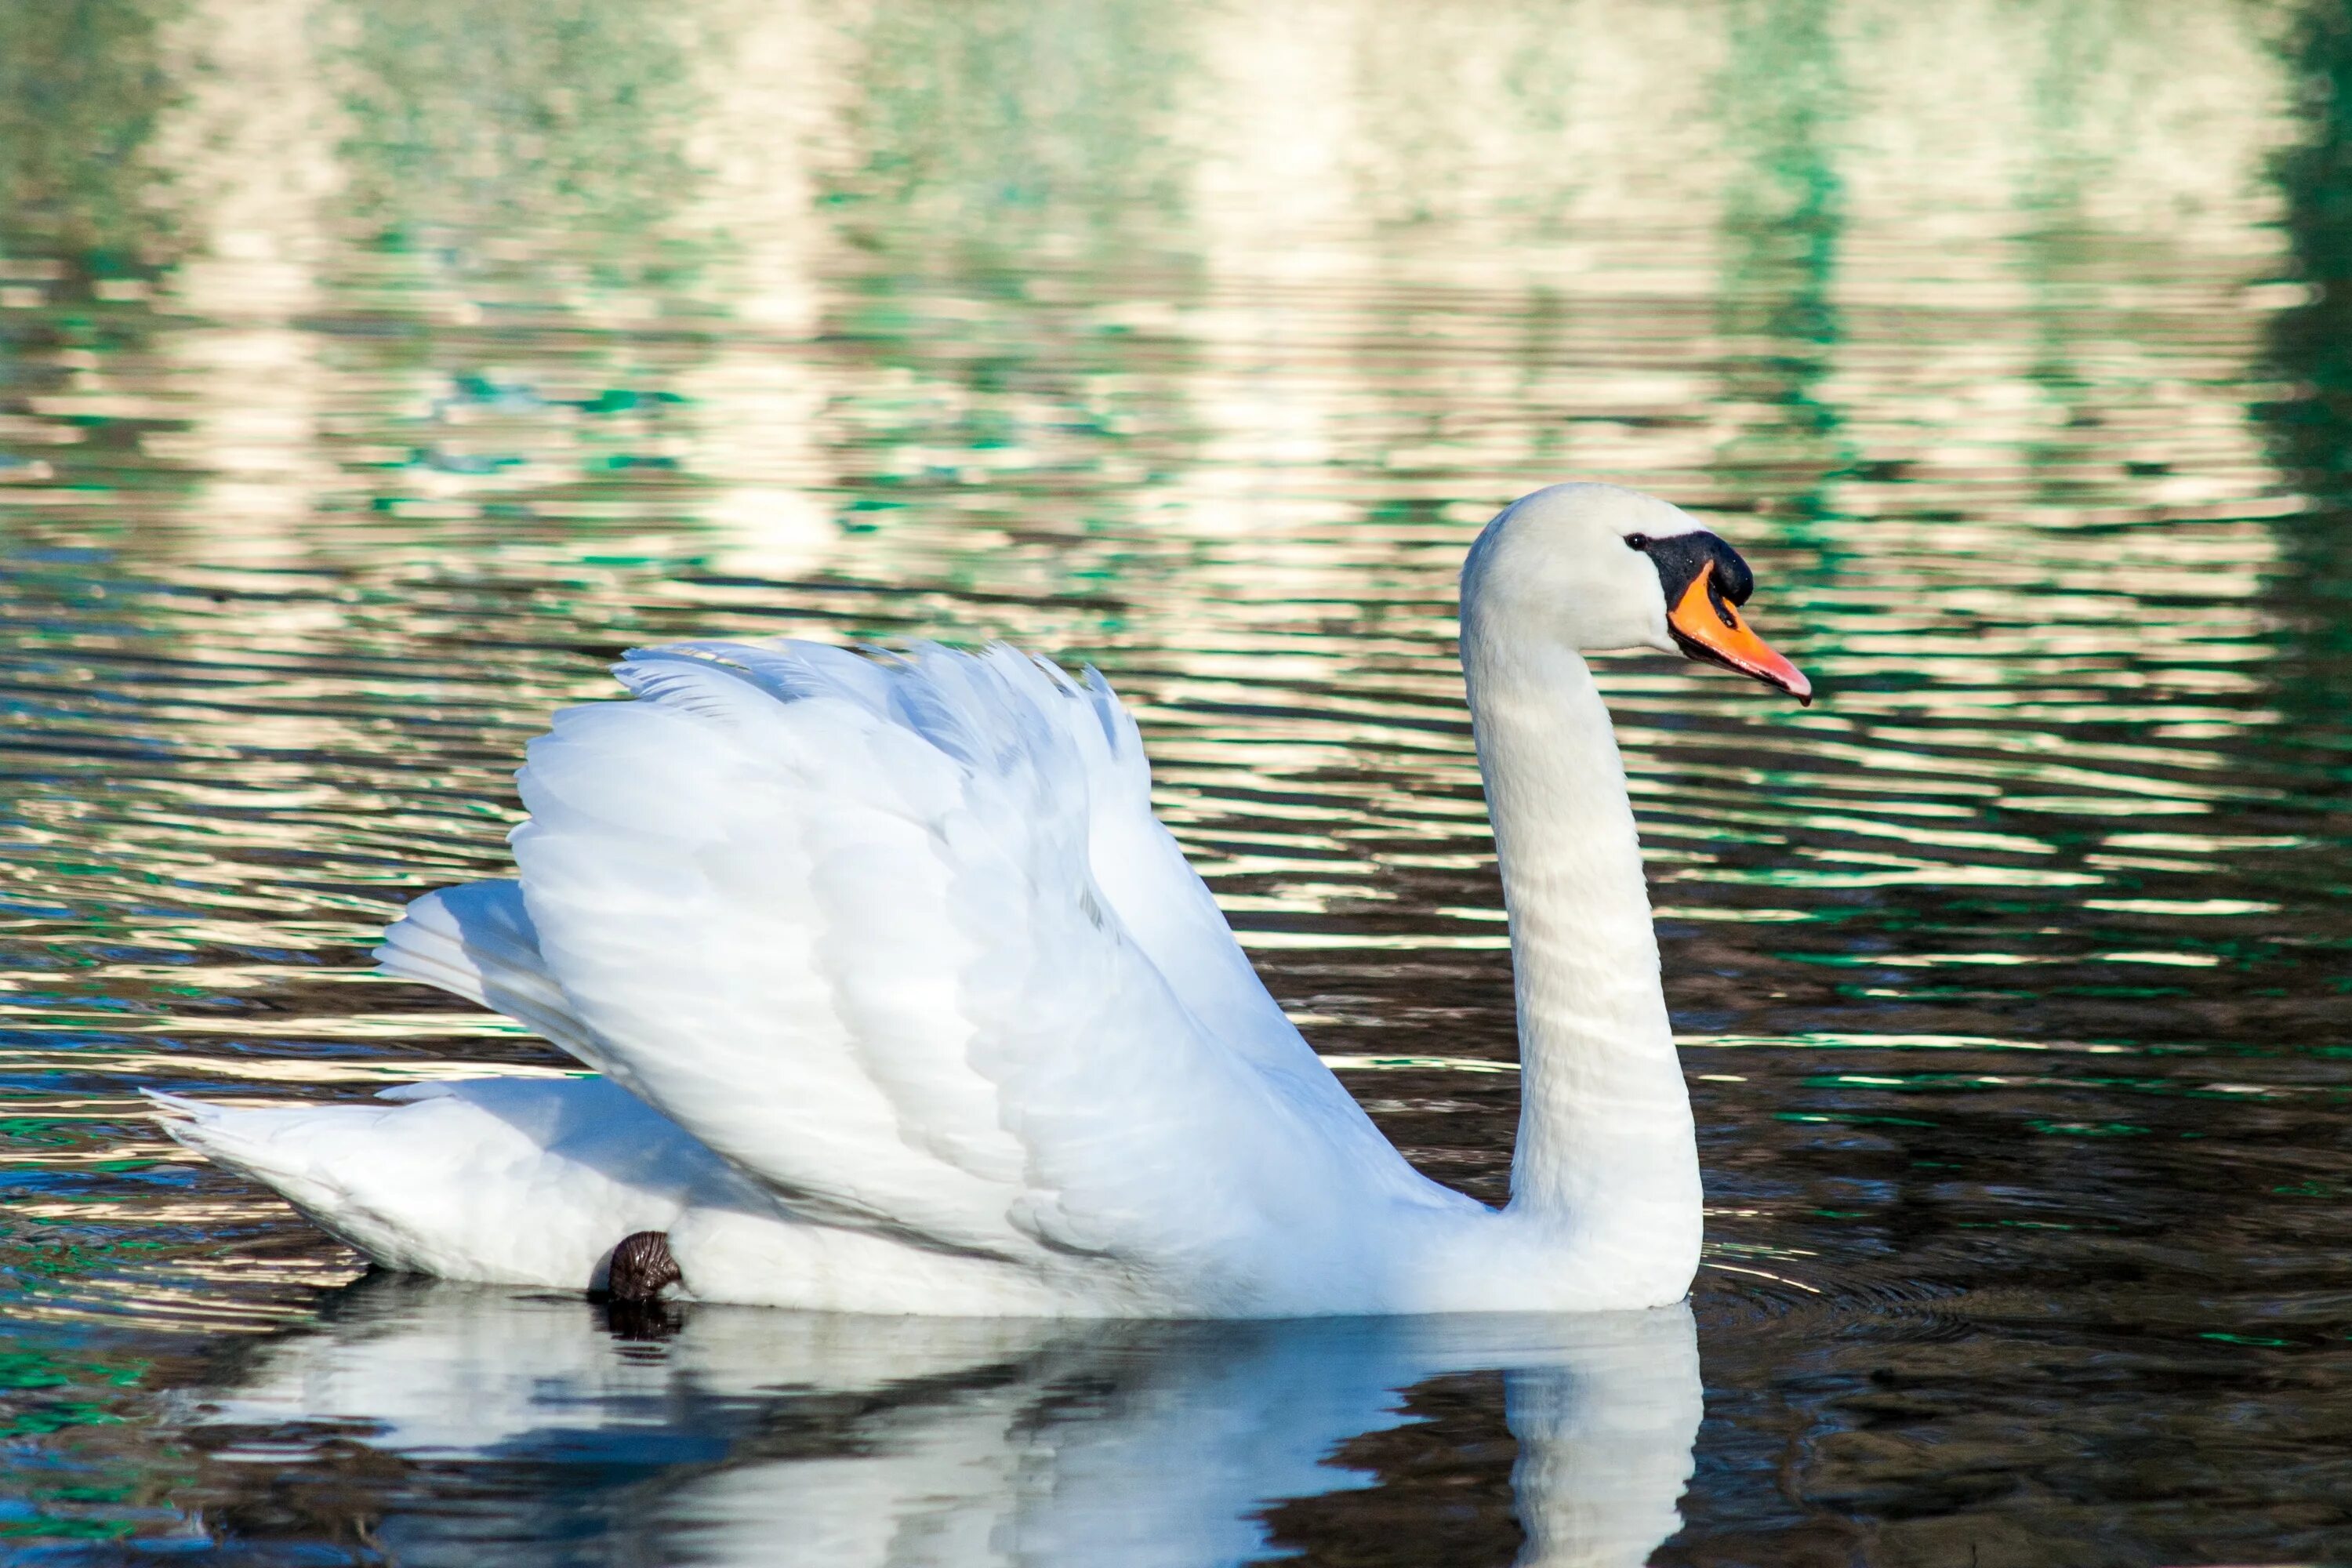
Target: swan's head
<point>1597,567</point>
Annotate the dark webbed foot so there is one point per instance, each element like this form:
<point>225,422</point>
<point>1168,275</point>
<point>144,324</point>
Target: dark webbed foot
<point>641,1267</point>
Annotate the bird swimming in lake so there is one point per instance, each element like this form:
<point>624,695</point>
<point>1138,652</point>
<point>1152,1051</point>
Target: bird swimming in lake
<point>898,999</point>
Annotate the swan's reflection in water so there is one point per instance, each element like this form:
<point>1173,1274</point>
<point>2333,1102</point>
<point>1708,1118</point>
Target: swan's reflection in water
<point>739,1435</point>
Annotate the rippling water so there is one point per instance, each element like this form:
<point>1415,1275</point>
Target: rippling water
<point>373,371</point>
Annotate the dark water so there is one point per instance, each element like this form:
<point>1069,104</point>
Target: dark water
<point>373,371</point>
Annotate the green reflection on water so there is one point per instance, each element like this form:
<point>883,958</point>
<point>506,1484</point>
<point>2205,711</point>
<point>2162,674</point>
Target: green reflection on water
<point>1785,107</point>
<point>2310,431</point>
<point>999,124</point>
<point>572,113</point>
<point>83,84</point>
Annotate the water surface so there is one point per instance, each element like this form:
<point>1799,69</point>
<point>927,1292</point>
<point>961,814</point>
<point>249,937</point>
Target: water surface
<point>373,371</point>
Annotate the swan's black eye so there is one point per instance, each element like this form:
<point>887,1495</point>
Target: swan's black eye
<point>1637,541</point>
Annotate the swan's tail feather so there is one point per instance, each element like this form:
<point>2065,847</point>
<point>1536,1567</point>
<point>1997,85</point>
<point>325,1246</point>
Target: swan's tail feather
<point>525,1180</point>
<point>477,942</point>
<point>255,1142</point>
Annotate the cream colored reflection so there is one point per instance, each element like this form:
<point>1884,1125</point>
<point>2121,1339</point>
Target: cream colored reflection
<point>772,82</point>
<point>251,135</point>
<point>953,1442</point>
<point>773,86</point>
<point>1373,173</point>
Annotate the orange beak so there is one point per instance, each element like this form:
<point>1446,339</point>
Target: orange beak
<point>1708,627</point>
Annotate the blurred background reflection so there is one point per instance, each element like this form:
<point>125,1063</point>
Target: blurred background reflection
<point>371,372</point>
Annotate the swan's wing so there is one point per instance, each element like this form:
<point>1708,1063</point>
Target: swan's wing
<point>477,942</point>
<point>841,918</point>
<point>1140,870</point>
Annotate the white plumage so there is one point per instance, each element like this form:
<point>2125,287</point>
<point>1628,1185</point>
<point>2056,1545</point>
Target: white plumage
<point>904,1002</point>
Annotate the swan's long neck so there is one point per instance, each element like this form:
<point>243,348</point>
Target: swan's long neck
<point>1605,1149</point>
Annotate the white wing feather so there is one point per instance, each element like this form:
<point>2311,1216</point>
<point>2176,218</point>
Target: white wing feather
<point>477,942</point>
<point>899,938</point>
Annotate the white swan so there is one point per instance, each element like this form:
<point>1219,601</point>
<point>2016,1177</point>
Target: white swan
<point>905,1002</point>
